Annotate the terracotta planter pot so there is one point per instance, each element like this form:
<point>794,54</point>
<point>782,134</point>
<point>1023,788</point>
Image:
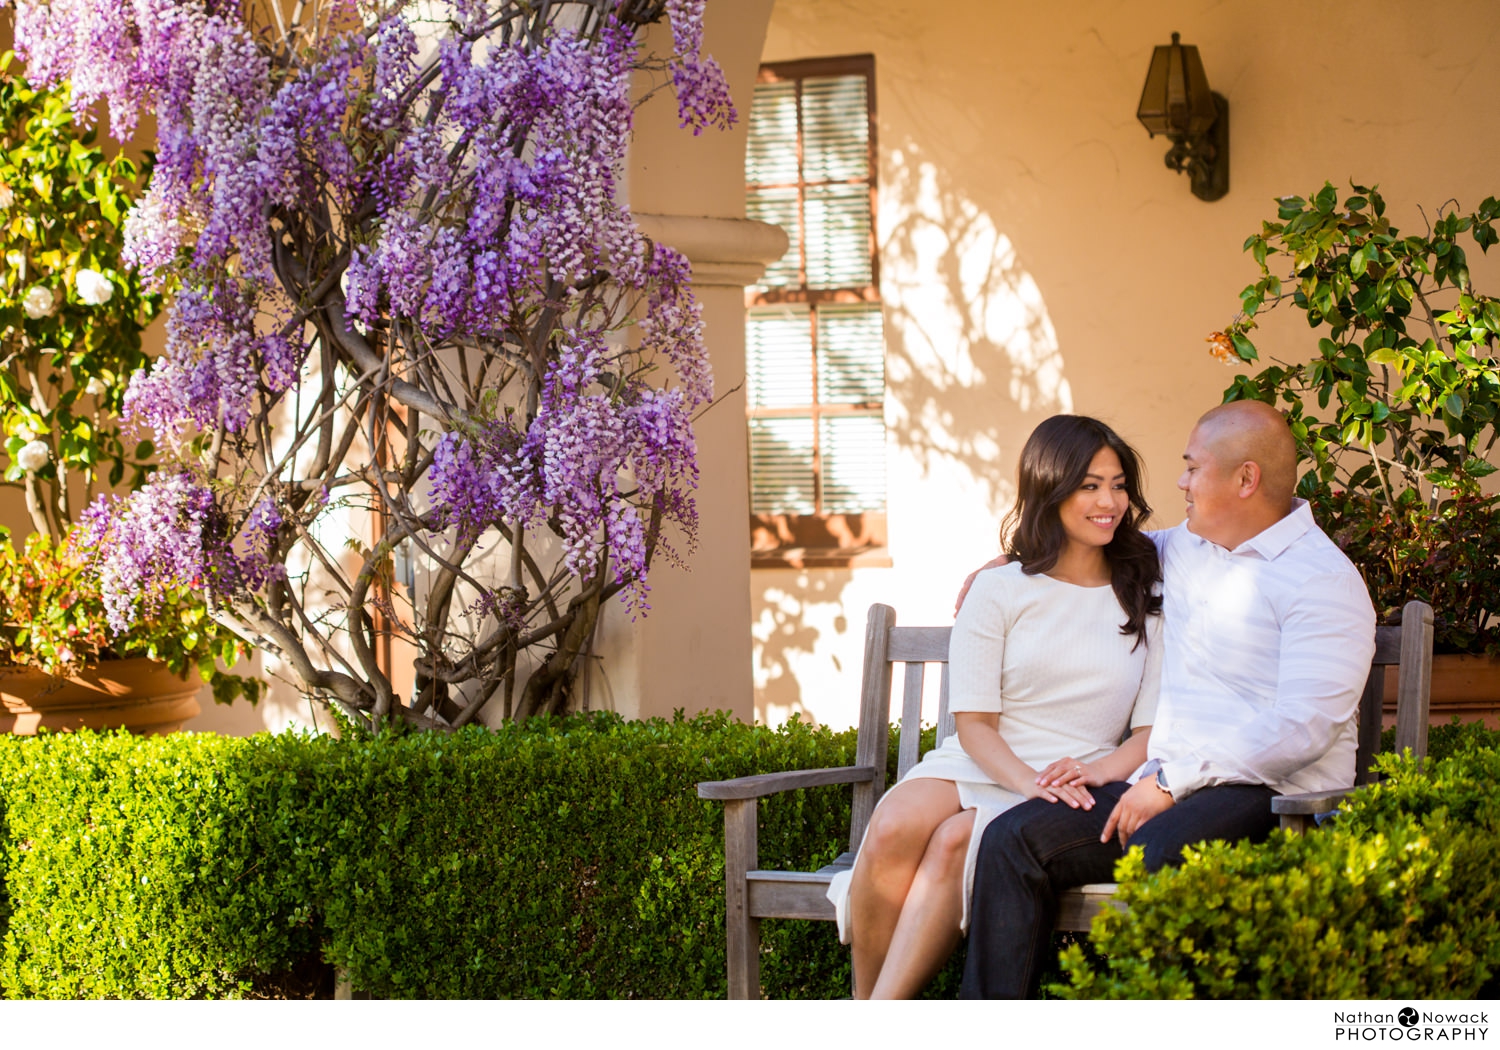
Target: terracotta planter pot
<point>139,694</point>
<point>1462,685</point>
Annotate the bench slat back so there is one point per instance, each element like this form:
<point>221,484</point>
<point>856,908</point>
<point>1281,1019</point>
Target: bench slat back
<point>885,646</point>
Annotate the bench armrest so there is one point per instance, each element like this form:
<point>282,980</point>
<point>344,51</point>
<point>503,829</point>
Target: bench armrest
<point>1311,804</point>
<point>763,784</point>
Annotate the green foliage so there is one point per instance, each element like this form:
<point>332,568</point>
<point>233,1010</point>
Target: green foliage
<point>62,207</point>
<point>1397,898</point>
<point>130,869</point>
<point>52,617</point>
<point>1395,414</point>
<point>565,857</point>
<point>1444,741</point>
<point>1447,556</point>
<point>571,857</point>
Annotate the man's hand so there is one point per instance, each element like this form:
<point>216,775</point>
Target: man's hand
<point>1142,802</point>
<point>993,563</point>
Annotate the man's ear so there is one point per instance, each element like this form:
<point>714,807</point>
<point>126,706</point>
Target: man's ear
<point>1249,478</point>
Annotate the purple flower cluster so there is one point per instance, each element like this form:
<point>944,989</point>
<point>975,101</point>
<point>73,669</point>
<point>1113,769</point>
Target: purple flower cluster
<point>703,98</point>
<point>534,204</point>
<point>171,535</point>
<point>599,457</point>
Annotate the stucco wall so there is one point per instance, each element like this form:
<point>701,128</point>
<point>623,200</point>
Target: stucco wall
<point>1038,257</point>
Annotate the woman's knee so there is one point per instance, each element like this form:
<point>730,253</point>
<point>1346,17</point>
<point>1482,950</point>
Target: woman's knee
<point>905,822</point>
<point>949,845</point>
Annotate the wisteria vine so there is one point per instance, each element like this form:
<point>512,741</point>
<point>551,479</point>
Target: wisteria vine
<point>401,281</point>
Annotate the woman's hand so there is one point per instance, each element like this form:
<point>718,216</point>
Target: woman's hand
<point>1075,795</point>
<point>1070,771</point>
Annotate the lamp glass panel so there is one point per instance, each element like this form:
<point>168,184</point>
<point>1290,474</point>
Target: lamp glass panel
<point>1152,111</point>
<point>1176,100</point>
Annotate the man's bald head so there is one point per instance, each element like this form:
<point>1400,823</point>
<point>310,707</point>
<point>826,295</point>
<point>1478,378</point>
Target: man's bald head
<point>1253,432</point>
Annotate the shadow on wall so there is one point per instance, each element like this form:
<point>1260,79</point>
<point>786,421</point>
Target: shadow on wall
<point>972,366</point>
<point>786,641</point>
<point>972,358</point>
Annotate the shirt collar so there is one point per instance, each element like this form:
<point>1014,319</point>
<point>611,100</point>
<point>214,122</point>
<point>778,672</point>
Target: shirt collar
<point>1271,542</point>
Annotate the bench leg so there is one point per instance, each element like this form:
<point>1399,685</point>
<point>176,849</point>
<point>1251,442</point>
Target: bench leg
<point>1296,823</point>
<point>741,930</point>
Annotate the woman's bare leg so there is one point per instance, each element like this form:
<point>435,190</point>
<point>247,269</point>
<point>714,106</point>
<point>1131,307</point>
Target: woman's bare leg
<point>928,929</point>
<point>894,846</point>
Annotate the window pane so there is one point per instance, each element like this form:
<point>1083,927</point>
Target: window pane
<point>779,207</point>
<point>778,357</point>
<point>853,464</point>
<point>771,153</point>
<point>835,128</point>
<point>851,354</point>
<point>781,473</point>
<point>838,236</point>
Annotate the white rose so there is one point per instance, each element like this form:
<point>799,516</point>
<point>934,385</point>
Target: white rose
<point>39,302</point>
<point>7,196</point>
<point>33,456</point>
<point>95,388</point>
<point>25,433</point>
<point>93,287</point>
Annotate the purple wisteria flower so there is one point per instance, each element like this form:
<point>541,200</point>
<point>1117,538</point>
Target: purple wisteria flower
<point>171,535</point>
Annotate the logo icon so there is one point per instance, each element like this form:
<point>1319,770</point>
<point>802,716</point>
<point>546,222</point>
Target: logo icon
<point>1407,1016</point>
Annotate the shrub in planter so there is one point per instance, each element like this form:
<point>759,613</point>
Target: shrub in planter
<point>1395,414</point>
<point>53,618</point>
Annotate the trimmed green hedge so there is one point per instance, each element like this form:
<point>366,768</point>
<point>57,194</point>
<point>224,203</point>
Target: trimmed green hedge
<point>555,858</point>
<point>572,857</point>
<point>1397,898</point>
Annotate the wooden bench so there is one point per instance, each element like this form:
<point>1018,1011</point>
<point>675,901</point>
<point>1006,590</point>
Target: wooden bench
<point>752,893</point>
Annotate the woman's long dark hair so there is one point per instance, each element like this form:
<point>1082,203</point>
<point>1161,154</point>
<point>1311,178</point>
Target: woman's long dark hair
<point>1053,466</point>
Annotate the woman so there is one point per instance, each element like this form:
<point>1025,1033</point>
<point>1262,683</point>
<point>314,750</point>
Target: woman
<point>1052,657</point>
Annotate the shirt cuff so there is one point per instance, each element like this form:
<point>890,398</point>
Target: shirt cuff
<point>1184,776</point>
<point>1147,768</point>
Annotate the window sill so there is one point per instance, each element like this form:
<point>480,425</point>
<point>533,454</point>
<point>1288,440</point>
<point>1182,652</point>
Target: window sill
<point>821,558</point>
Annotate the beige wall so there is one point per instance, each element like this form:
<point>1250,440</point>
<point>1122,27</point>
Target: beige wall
<point>1038,257</point>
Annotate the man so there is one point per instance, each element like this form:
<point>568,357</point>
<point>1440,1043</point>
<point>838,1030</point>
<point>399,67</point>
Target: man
<point>1269,633</point>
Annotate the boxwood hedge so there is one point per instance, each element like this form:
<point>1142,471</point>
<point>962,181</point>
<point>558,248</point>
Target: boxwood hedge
<point>566,857</point>
<point>572,857</point>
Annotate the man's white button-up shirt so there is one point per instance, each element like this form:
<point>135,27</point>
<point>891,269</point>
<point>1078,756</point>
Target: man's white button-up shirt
<point>1267,650</point>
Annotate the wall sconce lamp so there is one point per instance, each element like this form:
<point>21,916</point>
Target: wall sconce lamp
<point>1177,103</point>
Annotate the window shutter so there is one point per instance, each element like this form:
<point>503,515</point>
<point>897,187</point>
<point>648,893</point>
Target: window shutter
<point>778,356</point>
<point>772,177</point>
<point>853,464</point>
<point>835,129</point>
<point>781,466</point>
<point>851,354</point>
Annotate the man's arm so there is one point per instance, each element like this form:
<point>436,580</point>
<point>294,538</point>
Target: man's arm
<point>1156,536</point>
<point>1327,642</point>
<point>963,592</point>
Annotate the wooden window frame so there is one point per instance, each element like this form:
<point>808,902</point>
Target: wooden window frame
<point>821,540</point>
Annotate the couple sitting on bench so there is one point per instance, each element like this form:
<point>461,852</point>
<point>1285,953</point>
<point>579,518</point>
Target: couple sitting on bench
<point>1228,653</point>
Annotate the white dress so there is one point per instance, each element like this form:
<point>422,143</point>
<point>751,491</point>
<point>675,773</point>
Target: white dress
<point>1048,657</point>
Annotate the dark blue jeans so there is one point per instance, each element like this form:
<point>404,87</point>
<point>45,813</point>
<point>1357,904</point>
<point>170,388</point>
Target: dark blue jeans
<point>1033,850</point>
